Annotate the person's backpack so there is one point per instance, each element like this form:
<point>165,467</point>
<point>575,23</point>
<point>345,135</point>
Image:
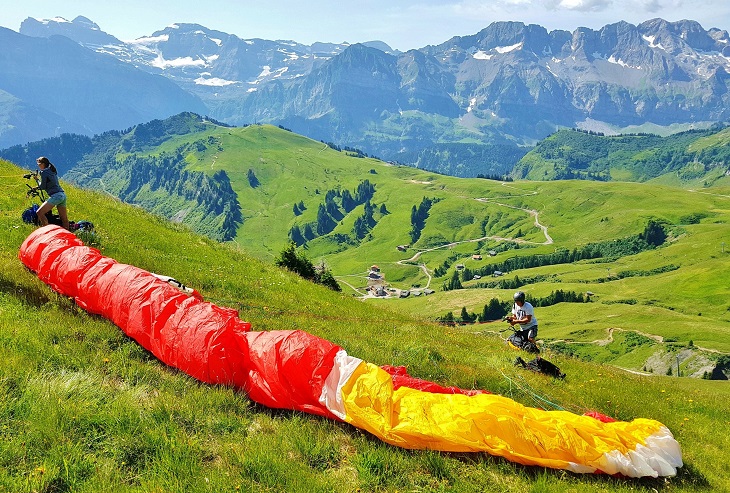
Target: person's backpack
<point>30,215</point>
<point>540,365</point>
<point>520,341</point>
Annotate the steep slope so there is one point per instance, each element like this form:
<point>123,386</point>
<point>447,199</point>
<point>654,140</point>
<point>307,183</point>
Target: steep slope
<point>133,421</point>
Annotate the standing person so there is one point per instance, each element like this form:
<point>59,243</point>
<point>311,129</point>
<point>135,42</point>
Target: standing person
<point>56,196</point>
<point>523,314</point>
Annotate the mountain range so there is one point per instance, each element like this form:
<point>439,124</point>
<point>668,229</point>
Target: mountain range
<point>496,92</point>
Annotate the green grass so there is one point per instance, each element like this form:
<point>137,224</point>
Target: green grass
<point>84,408</point>
<point>473,216</point>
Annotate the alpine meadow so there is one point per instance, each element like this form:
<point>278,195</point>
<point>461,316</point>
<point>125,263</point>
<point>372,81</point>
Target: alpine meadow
<point>629,280</point>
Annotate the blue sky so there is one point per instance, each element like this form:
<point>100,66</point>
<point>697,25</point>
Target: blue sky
<point>403,24</point>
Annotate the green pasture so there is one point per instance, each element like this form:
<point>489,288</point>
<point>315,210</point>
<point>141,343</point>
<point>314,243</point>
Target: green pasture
<point>83,408</point>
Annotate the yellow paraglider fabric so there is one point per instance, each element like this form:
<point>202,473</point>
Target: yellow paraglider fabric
<point>487,423</point>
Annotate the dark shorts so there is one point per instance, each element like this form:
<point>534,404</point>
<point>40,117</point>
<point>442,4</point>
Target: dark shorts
<point>531,332</point>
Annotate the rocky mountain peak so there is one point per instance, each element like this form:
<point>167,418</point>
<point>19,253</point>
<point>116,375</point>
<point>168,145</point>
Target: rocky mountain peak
<point>81,29</point>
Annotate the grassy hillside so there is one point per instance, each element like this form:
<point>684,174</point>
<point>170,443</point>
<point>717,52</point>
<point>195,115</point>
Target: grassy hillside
<point>675,294</point>
<point>84,408</point>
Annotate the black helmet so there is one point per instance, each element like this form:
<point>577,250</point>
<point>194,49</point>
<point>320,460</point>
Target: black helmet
<point>519,296</point>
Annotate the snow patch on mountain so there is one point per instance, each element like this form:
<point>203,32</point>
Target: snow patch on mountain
<point>652,44</point>
<point>618,61</point>
<point>482,55</point>
<point>187,61</point>
<point>214,81</point>
<point>507,49</point>
<point>150,40</point>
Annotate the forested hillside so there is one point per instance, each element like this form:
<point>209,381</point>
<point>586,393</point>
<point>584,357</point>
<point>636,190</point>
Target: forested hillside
<point>693,156</point>
<point>119,163</point>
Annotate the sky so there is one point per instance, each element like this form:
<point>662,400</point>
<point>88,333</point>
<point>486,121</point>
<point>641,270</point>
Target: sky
<point>402,24</point>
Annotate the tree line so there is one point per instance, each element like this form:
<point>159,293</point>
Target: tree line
<point>654,235</point>
<point>496,309</point>
<point>338,203</point>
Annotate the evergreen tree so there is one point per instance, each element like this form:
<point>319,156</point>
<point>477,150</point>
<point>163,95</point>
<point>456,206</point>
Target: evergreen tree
<point>252,180</point>
<point>325,277</point>
<point>296,263</point>
<point>348,202</point>
<point>364,192</point>
<point>325,223</point>
<point>331,207</point>
<point>295,234</point>
<point>466,317</point>
<point>654,233</point>
<point>454,283</point>
<point>360,229</point>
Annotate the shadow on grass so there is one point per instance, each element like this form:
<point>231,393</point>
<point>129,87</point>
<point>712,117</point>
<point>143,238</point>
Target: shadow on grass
<point>27,294</point>
<point>688,476</point>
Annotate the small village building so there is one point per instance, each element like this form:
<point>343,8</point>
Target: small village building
<point>476,257</point>
<point>497,273</point>
<point>492,253</point>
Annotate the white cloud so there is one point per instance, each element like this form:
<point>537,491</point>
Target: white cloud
<point>585,5</point>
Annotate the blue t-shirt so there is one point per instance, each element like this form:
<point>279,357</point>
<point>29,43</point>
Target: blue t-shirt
<point>49,182</point>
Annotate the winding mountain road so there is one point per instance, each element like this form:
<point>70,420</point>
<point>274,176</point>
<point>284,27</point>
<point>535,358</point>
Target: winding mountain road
<point>531,212</point>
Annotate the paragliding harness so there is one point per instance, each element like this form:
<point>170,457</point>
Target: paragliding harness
<point>30,215</point>
<point>519,340</point>
<point>540,365</point>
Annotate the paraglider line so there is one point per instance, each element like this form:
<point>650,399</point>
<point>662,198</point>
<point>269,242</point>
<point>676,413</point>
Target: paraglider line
<point>526,389</point>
